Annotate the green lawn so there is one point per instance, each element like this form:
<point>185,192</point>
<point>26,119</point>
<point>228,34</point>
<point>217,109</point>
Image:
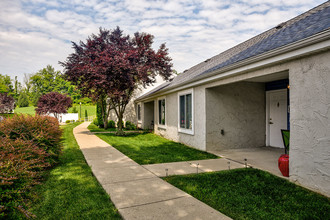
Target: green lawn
<point>71,191</point>
<point>91,110</point>
<point>25,110</point>
<point>253,194</point>
<point>148,148</point>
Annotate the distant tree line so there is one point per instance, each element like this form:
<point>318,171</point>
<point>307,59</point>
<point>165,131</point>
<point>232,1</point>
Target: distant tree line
<point>36,85</point>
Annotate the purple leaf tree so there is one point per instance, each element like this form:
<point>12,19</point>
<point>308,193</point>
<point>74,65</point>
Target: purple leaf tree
<point>7,103</point>
<point>54,103</point>
<point>108,67</point>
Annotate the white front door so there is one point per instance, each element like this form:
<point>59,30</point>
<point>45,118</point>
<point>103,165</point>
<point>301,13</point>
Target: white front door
<point>277,117</point>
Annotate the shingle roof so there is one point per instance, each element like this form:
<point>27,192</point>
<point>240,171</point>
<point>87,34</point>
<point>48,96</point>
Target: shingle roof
<point>303,26</point>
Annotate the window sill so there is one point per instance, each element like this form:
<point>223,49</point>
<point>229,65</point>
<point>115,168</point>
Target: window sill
<point>161,127</point>
<point>186,131</point>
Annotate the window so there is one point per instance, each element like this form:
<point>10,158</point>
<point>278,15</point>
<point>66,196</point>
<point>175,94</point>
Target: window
<point>139,112</point>
<point>161,111</point>
<point>186,112</point>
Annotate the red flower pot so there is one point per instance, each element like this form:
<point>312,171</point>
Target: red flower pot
<point>283,164</point>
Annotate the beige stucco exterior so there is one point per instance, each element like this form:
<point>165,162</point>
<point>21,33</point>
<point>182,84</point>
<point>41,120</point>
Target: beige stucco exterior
<point>236,104</point>
<point>310,122</point>
<point>238,110</point>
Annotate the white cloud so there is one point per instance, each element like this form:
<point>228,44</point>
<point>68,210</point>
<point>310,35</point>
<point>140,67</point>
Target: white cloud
<point>34,33</point>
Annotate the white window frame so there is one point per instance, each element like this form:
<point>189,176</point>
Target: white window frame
<point>137,112</point>
<point>161,125</point>
<point>185,130</point>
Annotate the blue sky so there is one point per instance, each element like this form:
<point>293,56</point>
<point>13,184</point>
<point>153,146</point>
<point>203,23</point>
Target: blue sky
<point>34,33</point>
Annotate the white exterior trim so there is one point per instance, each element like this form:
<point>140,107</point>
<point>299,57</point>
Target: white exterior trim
<point>268,112</point>
<point>137,113</point>
<point>184,130</point>
<point>157,117</point>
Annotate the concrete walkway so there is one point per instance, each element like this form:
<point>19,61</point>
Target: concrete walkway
<point>264,158</point>
<point>187,167</point>
<point>137,192</point>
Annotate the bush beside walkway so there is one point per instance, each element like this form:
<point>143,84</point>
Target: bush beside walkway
<point>29,145</point>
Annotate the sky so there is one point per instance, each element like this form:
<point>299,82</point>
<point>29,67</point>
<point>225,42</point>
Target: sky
<point>37,33</point>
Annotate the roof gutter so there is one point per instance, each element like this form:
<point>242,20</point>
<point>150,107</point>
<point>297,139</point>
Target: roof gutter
<point>312,44</point>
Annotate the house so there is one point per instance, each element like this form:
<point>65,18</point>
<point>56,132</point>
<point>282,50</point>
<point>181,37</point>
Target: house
<point>243,97</point>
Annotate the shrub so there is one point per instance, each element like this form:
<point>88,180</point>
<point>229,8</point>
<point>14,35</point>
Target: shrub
<point>68,121</point>
<point>96,122</point>
<point>22,163</point>
<point>130,126</point>
<point>35,99</point>
<point>111,124</point>
<point>99,115</point>
<point>74,109</point>
<point>23,100</point>
<point>43,131</point>
<point>86,114</point>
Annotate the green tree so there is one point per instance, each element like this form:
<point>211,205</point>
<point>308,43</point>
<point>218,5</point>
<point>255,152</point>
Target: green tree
<point>74,109</point>
<point>6,85</point>
<point>49,80</point>
<point>23,100</point>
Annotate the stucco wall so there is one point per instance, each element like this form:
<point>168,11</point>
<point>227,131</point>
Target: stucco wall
<point>197,140</point>
<point>310,122</point>
<point>238,109</point>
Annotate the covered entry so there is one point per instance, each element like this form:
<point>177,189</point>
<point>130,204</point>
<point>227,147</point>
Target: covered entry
<point>244,120</point>
<point>248,114</point>
<point>148,115</point>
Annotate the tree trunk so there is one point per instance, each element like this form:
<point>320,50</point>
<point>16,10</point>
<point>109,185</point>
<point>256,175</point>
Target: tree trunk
<point>105,123</point>
<point>120,131</point>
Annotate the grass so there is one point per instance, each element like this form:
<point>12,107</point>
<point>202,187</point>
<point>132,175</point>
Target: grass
<point>71,191</point>
<point>25,110</point>
<point>91,110</point>
<point>148,148</point>
<point>6,115</point>
<point>253,194</point>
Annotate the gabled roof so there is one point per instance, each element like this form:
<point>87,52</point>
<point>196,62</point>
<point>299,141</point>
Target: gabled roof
<point>301,27</point>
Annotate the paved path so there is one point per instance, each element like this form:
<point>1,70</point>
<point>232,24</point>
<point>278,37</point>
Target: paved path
<point>264,158</point>
<point>137,192</point>
<point>187,167</point>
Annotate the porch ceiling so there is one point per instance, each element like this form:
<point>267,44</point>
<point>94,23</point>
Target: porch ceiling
<point>270,77</point>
